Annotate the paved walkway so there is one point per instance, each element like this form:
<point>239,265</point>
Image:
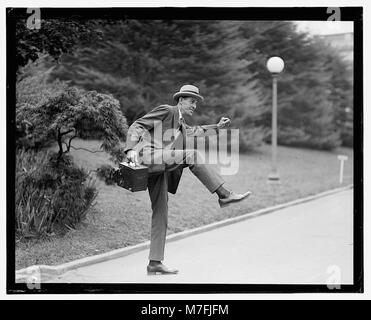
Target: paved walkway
<point>301,244</point>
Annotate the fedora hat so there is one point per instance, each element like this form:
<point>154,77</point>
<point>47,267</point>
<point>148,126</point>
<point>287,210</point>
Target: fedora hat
<point>188,90</point>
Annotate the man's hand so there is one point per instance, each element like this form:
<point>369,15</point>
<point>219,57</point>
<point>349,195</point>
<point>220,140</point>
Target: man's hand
<point>223,122</point>
<point>132,156</point>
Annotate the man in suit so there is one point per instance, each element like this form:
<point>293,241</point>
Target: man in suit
<point>158,140</point>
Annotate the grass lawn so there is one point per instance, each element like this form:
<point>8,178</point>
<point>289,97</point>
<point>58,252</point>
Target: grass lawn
<point>121,218</point>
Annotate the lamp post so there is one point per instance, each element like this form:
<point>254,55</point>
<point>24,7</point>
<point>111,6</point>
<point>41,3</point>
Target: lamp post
<point>274,65</point>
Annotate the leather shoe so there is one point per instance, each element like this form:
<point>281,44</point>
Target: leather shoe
<point>160,269</point>
<point>232,198</point>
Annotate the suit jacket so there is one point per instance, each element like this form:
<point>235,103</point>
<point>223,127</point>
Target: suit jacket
<point>146,136</point>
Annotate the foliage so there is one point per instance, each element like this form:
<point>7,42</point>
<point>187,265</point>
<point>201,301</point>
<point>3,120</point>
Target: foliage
<point>341,96</point>
<point>309,99</point>
<point>251,138</point>
<point>69,114</point>
<point>49,199</point>
<point>33,83</point>
<point>55,37</point>
<point>107,173</point>
<point>142,62</point>
<point>312,124</point>
<point>52,194</point>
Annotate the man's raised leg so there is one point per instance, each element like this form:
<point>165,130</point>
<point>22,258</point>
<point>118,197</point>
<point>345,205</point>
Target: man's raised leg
<point>210,178</point>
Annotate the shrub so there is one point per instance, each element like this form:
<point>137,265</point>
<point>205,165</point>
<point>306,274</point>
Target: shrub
<point>107,174</point>
<point>297,137</point>
<point>50,198</point>
<point>251,138</point>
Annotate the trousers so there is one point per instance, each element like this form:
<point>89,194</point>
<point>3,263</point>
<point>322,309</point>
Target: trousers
<point>158,193</point>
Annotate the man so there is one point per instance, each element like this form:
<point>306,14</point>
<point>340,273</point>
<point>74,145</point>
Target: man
<point>166,156</point>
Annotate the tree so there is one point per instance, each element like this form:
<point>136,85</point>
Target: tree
<point>306,111</point>
<point>55,37</point>
<point>70,114</point>
<point>141,62</point>
<point>340,92</point>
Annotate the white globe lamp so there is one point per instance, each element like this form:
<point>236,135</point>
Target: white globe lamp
<point>275,65</point>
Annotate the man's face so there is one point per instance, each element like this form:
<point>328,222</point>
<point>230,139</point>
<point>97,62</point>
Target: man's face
<point>187,105</point>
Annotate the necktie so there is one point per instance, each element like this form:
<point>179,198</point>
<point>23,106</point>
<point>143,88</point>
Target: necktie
<point>179,140</point>
<point>181,123</point>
